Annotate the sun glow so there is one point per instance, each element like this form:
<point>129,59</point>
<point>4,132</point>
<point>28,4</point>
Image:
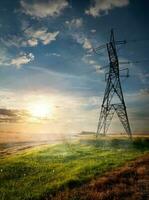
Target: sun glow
<point>41,109</point>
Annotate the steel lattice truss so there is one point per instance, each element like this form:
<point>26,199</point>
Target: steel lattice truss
<point>113,89</point>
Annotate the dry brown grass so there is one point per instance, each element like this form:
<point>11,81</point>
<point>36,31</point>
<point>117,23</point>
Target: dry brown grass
<point>130,182</point>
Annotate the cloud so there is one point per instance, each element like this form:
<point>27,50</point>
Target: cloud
<point>32,42</point>
<point>7,112</point>
<point>41,34</point>
<point>143,76</point>
<point>42,9</point>
<point>87,44</point>
<point>101,7</point>
<point>22,59</point>
<point>13,40</point>
<point>74,23</point>
<point>144,92</point>
<point>93,30</point>
<point>12,115</point>
<point>31,38</point>
<point>53,54</point>
<point>95,66</point>
<point>78,35</point>
<point>81,39</point>
<point>4,57</point>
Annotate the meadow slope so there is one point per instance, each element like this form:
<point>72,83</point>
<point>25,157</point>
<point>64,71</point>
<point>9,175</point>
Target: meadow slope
<point>130,182</point>
<point>42,172</point>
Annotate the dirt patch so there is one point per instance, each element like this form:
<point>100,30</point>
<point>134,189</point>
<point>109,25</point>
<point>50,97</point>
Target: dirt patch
<point>130,182</point>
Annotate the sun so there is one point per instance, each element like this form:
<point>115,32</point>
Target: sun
<point>40,109</point>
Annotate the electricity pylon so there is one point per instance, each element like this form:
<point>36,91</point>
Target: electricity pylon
<point>113,89</point>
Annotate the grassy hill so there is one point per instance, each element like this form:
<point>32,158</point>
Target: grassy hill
<point>43,171</point>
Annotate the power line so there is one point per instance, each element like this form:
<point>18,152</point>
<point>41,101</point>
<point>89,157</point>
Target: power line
<point>121,63</point>
<point>118,42</point>
<point>134,62</point>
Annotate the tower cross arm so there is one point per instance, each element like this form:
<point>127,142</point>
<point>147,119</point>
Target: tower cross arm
<point>119,42</point>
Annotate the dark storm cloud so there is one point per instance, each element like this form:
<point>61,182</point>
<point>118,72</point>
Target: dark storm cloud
<point>12,115</point>
<point>7,112</point>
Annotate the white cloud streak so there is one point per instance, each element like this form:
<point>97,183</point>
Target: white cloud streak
<point>101,7</point>
<point>31,38</point>
<point>87,44</point>
<point>74,23</point>
<point>41,9</point>
<point>41,34</point>
<point>84,41</point>
<point>22,59</point>
<point>93,31</point>
<point>95,66</point>
<point>32,42</point>
<point>53,54</point>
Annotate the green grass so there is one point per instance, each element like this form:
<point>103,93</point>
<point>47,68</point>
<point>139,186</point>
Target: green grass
<point>41,171</point>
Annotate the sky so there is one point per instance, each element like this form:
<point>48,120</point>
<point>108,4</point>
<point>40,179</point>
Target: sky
<point>46,58</point>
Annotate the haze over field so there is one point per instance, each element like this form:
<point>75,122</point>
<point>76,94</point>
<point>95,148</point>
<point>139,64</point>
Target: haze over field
<point>67,170</point>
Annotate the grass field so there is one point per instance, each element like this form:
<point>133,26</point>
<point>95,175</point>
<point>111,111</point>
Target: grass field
<point>43,171</point>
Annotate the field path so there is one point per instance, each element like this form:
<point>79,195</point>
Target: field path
<point>130,182</point>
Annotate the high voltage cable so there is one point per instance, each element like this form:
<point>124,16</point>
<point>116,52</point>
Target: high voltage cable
<point>120,63</point>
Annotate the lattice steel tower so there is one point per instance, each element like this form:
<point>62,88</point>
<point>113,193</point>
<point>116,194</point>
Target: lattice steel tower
<point>113,89</point>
